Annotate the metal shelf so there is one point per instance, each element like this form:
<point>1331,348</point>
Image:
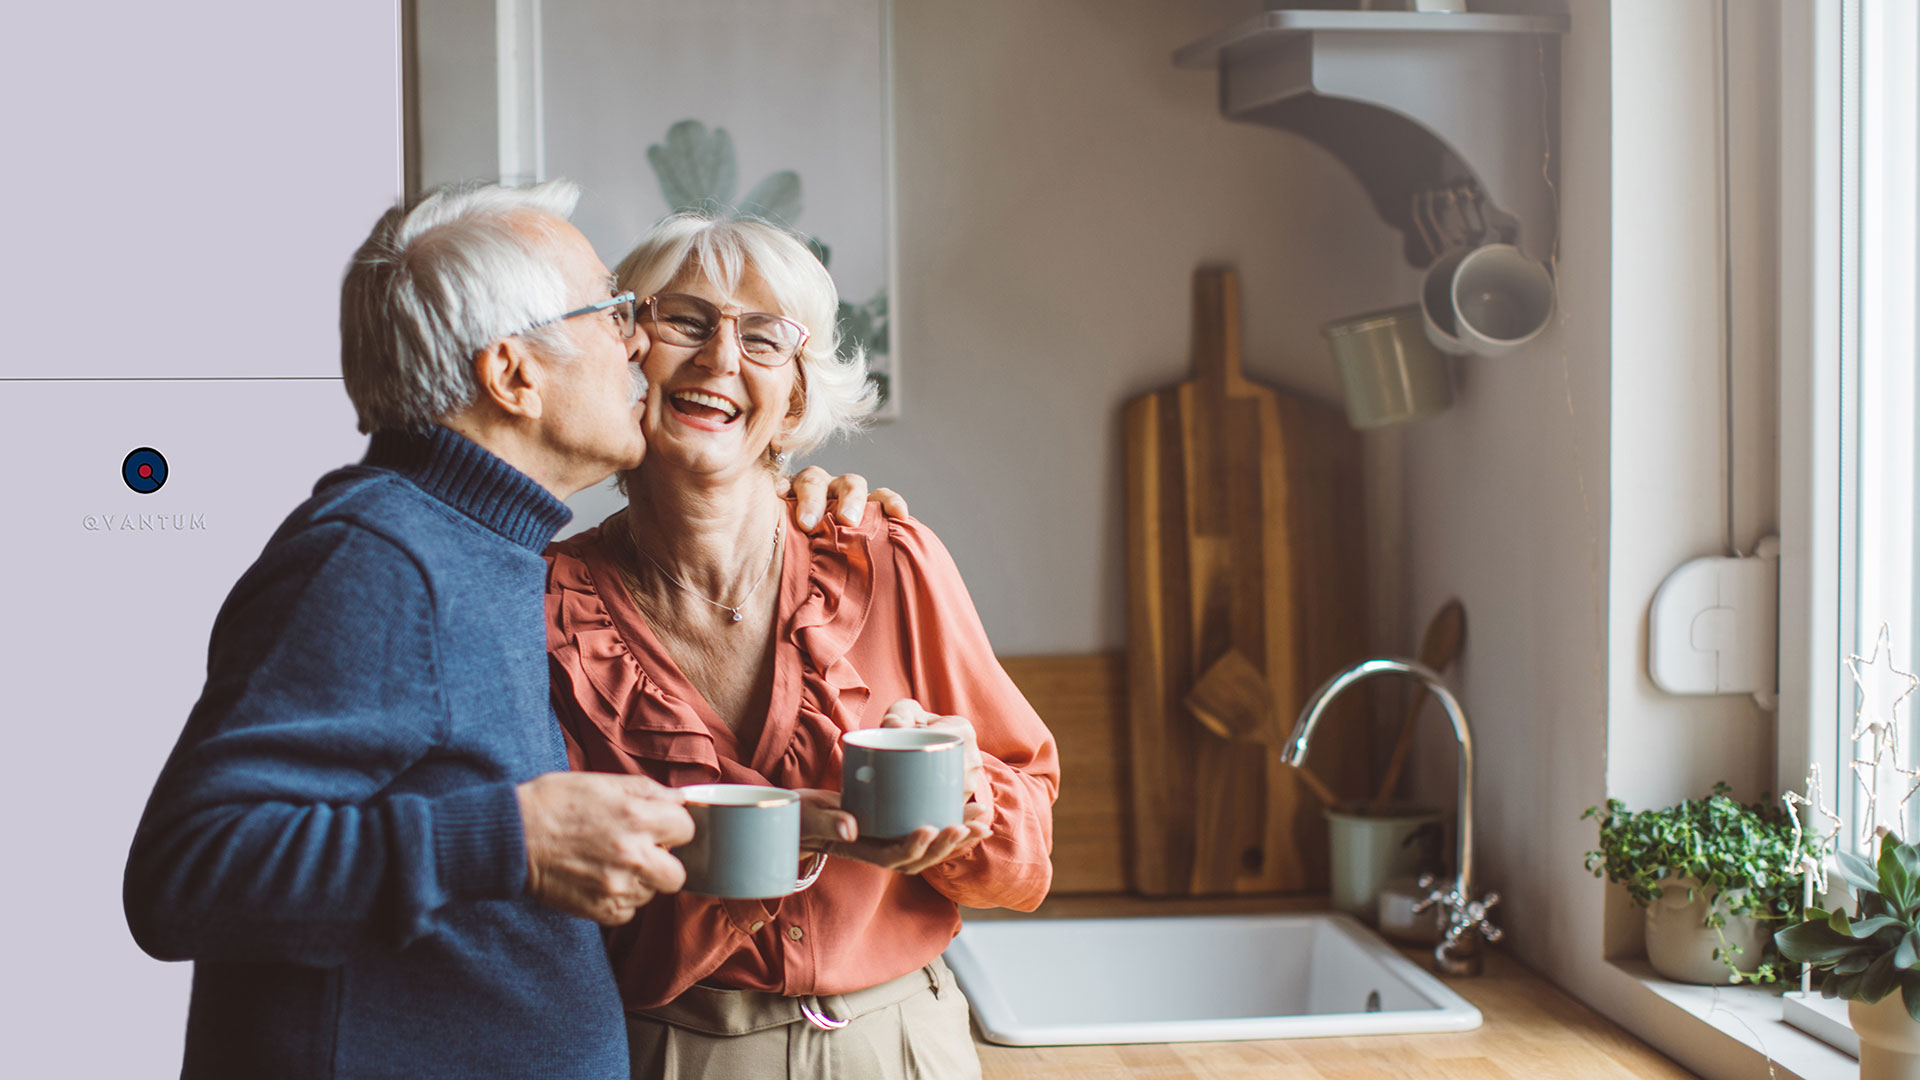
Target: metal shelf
<point>1409,102</point>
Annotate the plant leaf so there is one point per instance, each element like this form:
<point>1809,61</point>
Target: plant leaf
<point>1853,963</point>
<point>1866,928</point>
<point>1909,858</point>
<point>777,198</point>
<point>1879,979</point>
<point>1910,996</point>
<point>1907,955</point>
<point>695,166</point>
<point>1814,943</point>
<point>1858,872</point>
<point>1894,879</point>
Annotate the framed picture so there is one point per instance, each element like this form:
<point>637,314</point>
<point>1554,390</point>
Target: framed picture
<point>783,111</point>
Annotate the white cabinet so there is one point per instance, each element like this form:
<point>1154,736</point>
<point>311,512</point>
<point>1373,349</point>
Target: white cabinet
<point>185,182</point>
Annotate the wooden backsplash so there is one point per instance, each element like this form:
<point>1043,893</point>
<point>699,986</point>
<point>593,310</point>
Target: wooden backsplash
<point>1083,699</point>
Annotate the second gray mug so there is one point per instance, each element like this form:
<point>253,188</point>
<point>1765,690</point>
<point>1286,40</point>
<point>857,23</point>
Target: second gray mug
<point>896,780</point>
<point>746,842</point>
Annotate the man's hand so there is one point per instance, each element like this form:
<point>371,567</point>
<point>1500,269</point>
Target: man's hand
<point>812,488</point>
<point>597,843</point>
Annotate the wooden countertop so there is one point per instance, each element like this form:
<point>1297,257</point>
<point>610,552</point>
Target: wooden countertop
<point>1530,1028</point>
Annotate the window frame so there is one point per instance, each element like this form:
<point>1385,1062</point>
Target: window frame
<point>1832,270</point>
<point>1817,389</point>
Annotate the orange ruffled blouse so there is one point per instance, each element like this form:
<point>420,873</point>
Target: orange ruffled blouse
<point>868,615</point>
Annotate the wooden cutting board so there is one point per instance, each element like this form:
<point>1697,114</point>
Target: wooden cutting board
<point>1244,534</point>
<point>1083,699</point>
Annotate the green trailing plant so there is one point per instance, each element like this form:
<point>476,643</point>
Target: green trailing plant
<point>1876,951</point>
<point>1742,856</point>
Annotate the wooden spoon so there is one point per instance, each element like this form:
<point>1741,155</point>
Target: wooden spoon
<point>1233,701</point>
<point>1439,646</point>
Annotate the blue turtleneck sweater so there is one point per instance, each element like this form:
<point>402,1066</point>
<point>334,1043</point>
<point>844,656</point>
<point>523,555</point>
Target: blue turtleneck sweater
<point>335,841</point>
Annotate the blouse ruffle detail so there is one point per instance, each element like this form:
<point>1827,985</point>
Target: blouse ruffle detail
<point>603,678</point>
<point>829,620</point>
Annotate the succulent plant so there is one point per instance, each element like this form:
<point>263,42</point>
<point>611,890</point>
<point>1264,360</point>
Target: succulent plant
<point>1869,955</point>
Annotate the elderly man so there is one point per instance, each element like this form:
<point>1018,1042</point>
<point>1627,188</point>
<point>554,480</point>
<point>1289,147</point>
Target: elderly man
<point>366,838</point>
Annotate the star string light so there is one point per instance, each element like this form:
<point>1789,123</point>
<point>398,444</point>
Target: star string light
<point>1913,775</point>
<point>1882,688</point>
<point>1808,858</point>
<point>1811,860</point>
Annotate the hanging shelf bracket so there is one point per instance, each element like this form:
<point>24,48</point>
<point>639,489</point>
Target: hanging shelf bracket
<point>1410,102</point>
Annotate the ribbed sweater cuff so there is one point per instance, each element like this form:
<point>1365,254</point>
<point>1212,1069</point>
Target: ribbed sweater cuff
<point>479,842</point>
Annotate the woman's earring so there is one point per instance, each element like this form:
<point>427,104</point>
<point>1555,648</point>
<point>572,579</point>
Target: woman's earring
<point>782,459</point>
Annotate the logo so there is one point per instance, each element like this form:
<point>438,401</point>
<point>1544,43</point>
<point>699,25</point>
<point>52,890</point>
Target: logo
<point>144,522</point>
<point>144,470</point>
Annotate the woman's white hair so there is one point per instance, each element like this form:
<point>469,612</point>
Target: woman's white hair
<point>439,279</point>
<point>832,395</point>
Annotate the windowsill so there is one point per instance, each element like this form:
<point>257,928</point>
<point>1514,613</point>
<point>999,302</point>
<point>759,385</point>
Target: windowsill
<point>1751,1016</point>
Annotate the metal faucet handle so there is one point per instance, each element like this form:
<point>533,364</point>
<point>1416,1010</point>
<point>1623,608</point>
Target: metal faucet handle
<point>1462,914</point>
<point>1436,894</point>
<point>1474,915</point>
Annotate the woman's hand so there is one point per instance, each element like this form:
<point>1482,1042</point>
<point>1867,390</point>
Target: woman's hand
<point>812,488</point>
<point>907,713</point>
<point>826,827</point>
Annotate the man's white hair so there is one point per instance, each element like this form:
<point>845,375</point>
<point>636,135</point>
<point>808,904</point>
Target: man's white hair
<point>832,395</point>
<point>440,279</point>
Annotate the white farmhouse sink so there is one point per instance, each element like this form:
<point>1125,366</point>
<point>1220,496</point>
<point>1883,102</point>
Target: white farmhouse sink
<point>1061,982</point>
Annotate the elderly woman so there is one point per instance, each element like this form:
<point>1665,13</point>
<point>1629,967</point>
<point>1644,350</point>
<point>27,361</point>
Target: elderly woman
<point>696,639</point>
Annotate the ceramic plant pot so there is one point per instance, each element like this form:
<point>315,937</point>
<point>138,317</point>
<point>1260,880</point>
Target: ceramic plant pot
<point>1679,943</point>
<point>1889,1039</point>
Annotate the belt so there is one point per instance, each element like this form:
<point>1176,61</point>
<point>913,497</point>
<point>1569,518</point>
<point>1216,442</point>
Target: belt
<point>711,1010</point>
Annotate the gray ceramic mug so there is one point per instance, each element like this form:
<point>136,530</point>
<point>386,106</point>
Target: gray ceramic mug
<point>896,780</point>
<point>746,842</point>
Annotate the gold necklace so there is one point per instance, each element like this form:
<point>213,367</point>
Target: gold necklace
<point>737,611</point>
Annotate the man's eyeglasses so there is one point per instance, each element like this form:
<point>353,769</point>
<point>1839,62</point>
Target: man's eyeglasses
<point>621,307</point>
<point>766,339</point>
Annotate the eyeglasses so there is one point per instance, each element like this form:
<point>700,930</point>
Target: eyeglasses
<point>621,307</point>
<point>766,339</point>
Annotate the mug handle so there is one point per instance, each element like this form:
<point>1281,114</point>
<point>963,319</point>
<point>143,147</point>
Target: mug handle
<point>814,866</point>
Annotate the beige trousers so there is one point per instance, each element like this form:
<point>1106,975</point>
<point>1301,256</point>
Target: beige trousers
<point>911,1028</point>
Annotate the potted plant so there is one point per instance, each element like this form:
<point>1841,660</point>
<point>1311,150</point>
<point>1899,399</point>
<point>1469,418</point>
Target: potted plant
<point>1714,876</point>
<point>1866,957</point>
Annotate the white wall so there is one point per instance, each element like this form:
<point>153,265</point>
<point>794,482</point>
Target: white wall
<point>1669,483</point>
<point>1569,481</point>
<point>1508,510</point>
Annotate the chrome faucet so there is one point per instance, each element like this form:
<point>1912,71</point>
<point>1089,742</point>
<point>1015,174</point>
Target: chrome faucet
<point>1466,918</point>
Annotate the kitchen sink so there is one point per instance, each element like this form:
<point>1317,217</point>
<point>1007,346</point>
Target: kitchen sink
<point>1202,978</point>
